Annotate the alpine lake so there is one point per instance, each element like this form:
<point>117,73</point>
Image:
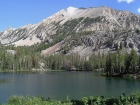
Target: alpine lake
<point>59,85</point>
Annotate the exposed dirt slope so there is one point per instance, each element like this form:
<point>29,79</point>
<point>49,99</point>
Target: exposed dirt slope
<point>52,49</point>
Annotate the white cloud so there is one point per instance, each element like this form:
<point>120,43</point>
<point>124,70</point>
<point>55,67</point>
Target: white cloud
<point>128,1</point>
<point>139,10</point>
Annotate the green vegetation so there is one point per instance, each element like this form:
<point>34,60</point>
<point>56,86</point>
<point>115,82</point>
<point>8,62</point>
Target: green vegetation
<point>109,42</point>
<point>27,58</point>
<point>18,58</point>
<point>118,64</point>
<point>131,99</point>
<point>137,31</point>
<point>69,26</point>
<point>113,64</point>
<point>19,100</point>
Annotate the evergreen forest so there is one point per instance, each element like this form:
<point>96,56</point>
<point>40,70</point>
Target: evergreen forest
<point>28,58</point>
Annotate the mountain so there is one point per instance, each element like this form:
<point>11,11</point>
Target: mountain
<point>82,30</point>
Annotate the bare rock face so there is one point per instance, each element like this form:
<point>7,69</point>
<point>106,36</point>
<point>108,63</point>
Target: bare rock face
<point>99,19</point>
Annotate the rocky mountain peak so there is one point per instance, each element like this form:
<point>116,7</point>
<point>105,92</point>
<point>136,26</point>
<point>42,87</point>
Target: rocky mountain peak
<point>9,29</point>
<point>70,20</point>
<point>71,10</point>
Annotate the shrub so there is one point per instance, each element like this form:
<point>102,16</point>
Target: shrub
<point>109,42</point>
<point>137,31</point>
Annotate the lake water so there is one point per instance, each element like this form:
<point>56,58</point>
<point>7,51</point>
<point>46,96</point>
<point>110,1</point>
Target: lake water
<point>59,85</point>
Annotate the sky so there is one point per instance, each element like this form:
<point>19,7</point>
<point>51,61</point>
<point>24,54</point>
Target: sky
<point>17,13</point>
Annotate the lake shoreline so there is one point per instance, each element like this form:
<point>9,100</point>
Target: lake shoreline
<point>130,76</point>
<point>30,71</point>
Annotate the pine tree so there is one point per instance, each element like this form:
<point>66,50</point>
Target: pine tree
<point>133,60</point>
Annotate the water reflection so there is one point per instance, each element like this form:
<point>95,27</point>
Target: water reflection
<point>57,85</point>
<point>2,81</point>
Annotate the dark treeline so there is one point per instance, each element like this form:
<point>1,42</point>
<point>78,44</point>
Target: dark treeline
<point>118,63</point>
<point>75,62</point>
<point>26,58</point>
<point>121,64</point>
<point>18,58</point>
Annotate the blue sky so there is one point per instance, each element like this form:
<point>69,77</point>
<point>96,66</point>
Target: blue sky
<point>16,13</point>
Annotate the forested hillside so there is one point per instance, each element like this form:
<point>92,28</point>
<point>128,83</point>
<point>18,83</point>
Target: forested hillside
<point>27,58</point>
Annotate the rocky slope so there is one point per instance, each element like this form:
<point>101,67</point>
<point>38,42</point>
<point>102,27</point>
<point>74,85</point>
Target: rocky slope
<point>104,27</point>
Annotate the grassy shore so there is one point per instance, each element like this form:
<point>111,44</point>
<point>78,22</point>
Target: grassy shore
<point>131,99</point>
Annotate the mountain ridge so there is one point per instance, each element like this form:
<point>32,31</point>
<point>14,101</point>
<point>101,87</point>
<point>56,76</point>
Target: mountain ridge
<point>100,24</point>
